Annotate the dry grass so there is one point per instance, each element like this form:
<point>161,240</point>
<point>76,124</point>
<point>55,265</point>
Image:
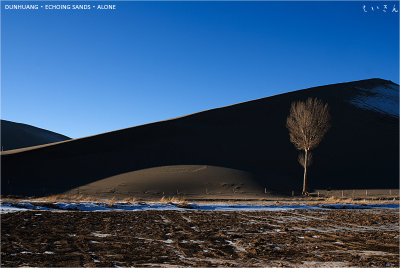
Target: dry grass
<point>180,200</point>
<point>335,199</point>
<point>111,201</point>
<point>54,198</point>
<point>129,199</point>
<point>374,201</point>
<point>173,199</point>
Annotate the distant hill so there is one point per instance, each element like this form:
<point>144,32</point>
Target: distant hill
<point>17,135</point>
<point>238,149</point>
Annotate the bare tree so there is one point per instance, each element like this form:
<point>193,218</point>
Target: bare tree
<point>303,161</point>
<point>307,123</point>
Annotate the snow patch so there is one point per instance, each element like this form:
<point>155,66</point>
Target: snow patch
<point>7,208</point>
<point>187,219</point>
<point>88,206</point>
<point>165,220</point>
<point>238,248</point>
<point>100,235</point>
<point>382,99</point>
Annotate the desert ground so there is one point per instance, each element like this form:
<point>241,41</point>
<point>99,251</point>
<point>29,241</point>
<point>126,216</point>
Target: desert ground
<point>215,188</point>
<point>178,234</point>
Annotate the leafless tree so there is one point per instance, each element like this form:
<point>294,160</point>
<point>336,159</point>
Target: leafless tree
<point>307,123</point>
<point>302,161</point>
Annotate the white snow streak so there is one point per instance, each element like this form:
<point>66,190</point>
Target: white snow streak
<point>382,99</point>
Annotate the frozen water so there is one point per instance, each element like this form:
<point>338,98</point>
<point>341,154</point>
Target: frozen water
<point>87,206</point>
<point>100,235</point>
<point>81,206</point>
<point>234,245</point>
<point>7,208</point>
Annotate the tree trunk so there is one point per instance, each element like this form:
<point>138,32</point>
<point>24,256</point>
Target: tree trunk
<point>304,192</point>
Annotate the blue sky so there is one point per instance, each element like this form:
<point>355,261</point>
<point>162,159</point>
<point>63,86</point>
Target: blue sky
<point>81,73</point>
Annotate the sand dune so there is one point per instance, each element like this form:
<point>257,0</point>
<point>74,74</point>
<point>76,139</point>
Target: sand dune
<point>17,135</point>
<point>246,143</point>
<point>189,180</point>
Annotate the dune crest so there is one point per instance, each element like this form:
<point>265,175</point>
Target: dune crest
<point>248,137</point>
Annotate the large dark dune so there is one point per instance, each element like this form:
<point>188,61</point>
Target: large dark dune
<point>245,145</point>
<point>17,135</point>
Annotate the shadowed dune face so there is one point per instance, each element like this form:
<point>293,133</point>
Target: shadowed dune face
<point>16,135</point>
<point>361,150</point>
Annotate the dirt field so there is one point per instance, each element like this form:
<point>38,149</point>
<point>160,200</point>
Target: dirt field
<point>201,238</point>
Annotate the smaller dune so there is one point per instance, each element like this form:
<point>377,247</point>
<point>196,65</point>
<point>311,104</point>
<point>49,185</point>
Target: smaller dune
<point>17,135</point>
<point>176,180</point>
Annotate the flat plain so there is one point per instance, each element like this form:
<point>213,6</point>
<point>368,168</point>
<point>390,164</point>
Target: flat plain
<point>295,238</point>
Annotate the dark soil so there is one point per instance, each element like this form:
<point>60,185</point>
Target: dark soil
<point>162,238</point>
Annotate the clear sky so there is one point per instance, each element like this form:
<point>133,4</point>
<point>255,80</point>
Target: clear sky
<point>80,73</point>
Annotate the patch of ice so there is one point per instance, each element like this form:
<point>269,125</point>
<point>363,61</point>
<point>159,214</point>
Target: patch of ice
<point>237,207</point>
<point>187,219</point>
<point>82,206</point>
<point>324,264</point>
<point>87,206</point>
<point>100,235</point>
<point>238,248</point>
<point>344,206</point>
<point>8,207</point>
<point>196,241</point>
<point>165,219</point>
<point>383,99</point>
<point>179,254</point>
<point>143,238</point>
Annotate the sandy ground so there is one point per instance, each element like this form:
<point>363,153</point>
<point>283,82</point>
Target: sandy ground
<point>307,238</point>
